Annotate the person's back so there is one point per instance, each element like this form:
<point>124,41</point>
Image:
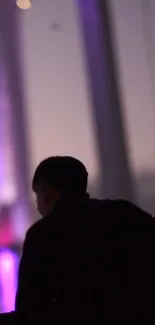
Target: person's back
<point>86,261</point>
<point>94,264</point>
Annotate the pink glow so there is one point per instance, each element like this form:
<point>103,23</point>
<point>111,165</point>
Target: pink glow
<point>6,233</point>
<point>8,279</point>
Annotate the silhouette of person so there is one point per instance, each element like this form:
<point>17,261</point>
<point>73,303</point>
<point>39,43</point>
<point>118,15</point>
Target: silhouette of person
<point>86,261</point>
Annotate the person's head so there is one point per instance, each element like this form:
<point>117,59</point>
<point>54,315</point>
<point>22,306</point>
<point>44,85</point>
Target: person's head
<point>57,176</point>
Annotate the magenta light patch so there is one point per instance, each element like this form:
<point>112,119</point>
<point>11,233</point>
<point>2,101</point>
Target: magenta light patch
<point>9,262</point>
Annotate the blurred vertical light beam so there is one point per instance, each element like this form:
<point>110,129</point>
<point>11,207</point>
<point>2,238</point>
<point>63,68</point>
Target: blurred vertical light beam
<point>11,49</point>
<point>8,191</point>
<point>8,279</point>
<point>100,51</point>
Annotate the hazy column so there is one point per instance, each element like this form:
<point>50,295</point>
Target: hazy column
<point>8,191</point>
<point>101,66</point>
<point>10,31</point>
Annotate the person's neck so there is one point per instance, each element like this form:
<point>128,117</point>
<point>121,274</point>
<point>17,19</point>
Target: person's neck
<point>78,198</point>
<point>70,201</point>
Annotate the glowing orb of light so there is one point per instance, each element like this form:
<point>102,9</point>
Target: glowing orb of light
<point>24,4</point>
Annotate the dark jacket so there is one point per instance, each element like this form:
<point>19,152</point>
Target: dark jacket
<point>91,262</point>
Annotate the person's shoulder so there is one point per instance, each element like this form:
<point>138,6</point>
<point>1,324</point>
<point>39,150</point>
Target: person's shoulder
<point>97,204</point>
<point>120,209</point>
<point>37,228</point>
<point>35,239</point>
<point>131,208</point>
<point>131,215</point>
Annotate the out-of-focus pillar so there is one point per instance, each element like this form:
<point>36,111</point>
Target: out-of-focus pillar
<point>10,46</point>
<point>101,66</point>
<point>7,181</point>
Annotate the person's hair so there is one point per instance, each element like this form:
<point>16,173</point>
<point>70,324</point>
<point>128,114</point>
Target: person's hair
<point>62,173</point>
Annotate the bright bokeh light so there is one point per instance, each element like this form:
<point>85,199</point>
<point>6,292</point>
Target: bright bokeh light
<point>8,279</point>
<point>24,4</point>
<point>6,263</point>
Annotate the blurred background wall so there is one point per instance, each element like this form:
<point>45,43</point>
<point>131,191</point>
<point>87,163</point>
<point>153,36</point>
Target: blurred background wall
<point>133,26</point>
<point>58,95</point>
<point>47,90</point>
